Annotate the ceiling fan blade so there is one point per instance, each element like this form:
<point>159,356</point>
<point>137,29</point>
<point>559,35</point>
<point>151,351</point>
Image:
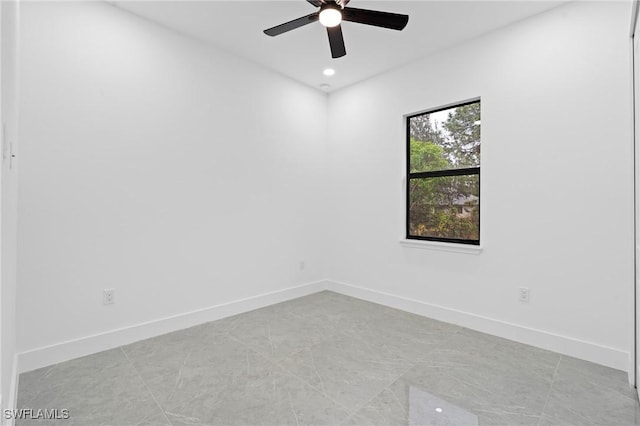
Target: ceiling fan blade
<point>336,41</point>
<point>316,3</point>
<point>394,21</point>
<point>292,25</point>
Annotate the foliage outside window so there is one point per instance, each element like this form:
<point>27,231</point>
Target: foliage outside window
<point>443,169</point>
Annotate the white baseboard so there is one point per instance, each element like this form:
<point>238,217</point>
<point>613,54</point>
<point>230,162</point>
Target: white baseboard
<point>48,355</point>
<point>588,351</point>
<point>64,351</point>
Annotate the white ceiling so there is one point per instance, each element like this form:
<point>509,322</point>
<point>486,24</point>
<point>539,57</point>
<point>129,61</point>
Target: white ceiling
<point>302,54</point>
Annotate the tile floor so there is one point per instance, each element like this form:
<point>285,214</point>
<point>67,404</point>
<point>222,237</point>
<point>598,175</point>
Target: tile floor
<point>328,359</point>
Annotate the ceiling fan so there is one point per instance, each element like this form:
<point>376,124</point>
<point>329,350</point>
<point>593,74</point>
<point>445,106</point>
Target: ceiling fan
<point>332,12</point>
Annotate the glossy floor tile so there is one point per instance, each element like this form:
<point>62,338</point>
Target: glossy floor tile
<point>328,359</point>
<point>98,389</point>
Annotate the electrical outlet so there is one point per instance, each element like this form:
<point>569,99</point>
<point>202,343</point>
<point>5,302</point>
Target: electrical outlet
<point>108,296</point>
<point>523,294</point>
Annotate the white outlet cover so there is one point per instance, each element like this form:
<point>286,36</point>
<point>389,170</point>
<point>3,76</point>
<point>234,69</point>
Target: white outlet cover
<point>523,294</point>
<point>108,296</point>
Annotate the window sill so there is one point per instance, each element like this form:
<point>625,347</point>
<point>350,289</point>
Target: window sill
<point>436,245</point>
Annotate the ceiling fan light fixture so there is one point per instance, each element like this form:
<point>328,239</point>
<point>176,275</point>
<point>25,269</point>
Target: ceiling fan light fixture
<point>330,17</point>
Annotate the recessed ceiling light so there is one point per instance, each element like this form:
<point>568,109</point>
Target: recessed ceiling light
<point>329,72</point>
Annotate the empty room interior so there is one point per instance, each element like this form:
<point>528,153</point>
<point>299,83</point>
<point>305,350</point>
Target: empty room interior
<point>320,212</point>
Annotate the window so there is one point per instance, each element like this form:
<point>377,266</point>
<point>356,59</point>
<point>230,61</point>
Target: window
<point>443,174</point>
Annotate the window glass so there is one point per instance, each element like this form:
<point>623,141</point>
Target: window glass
<point>443,185</point>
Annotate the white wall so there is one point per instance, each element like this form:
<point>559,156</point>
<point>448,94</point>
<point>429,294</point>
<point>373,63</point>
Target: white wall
<point>557,186</point>
<point>9,12</point>
<point>180,175</point>
<point>635,30</point>
<point>185,178</point>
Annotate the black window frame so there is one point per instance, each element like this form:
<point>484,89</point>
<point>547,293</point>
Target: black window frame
<point>470,171</point>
